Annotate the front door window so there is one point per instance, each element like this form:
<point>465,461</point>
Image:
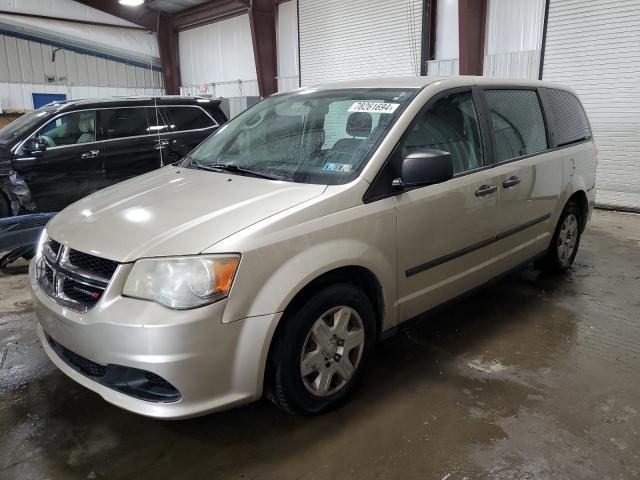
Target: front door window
<point>70,129</point>
<point>449,124</point>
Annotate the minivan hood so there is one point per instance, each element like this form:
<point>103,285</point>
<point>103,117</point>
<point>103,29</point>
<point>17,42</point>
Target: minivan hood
<point>172,211</point>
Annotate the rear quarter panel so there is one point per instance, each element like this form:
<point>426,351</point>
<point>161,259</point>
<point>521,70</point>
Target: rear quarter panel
<point>579,163</point>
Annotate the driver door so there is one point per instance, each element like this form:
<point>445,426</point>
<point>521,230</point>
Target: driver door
<point>69,168</point>
<point>446,231</point>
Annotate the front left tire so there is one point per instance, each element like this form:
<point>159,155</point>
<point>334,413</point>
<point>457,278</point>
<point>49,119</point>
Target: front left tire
<point>322,352</point>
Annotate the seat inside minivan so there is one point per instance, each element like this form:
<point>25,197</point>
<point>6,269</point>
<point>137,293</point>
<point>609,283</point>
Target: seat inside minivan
<point>448,126</point>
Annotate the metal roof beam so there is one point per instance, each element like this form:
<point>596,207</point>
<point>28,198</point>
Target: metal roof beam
<point>209,12</point>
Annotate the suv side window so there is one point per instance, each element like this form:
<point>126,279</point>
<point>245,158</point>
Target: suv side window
<point>122,122</point>
<point>158,121</point>
<point>517,122</point>
<point>571,124</point>
<point>450,124</point>
<point>187,118</point>
<point>70,129</point>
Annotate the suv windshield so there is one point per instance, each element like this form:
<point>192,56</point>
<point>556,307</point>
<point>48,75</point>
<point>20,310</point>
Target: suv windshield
<point>23,125</point>
<point>307,136</point>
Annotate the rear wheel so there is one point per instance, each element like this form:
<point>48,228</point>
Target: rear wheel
<point>323,350</point>
<point>566,240</point>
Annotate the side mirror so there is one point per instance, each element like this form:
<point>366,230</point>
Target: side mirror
<point>34,146</point>
<point>424,167</point>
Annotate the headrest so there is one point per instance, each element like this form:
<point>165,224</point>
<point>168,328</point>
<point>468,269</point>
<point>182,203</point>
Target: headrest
<point>359,124</point>
<point>86,125</point>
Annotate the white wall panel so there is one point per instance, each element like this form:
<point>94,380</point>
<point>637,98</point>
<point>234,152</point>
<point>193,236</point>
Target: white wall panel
<point>35,52</point>
<point>140,78</point>
<point>81,65</point>
<point>112,73</point>
<point>13,59</point>
<point>72,68</point>
<point>92,70</point>
<point>48,66</point>
<point>443,68</point>
<point>220,53</point>
<point>4,62</point>
<point>131,76</point>
<point>513,38</point>
<point>287,41</point>
<point>513,65</point>
<point>594,46</point>
<point>360,38</point>
<point>103,73</point>
<point>25,60</point>
<point>60,66</point>
<point>447,24</point>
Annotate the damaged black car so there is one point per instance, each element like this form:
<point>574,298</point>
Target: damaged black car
<point>53,156</point>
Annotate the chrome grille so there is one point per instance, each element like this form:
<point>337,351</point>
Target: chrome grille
<point>72,278</point>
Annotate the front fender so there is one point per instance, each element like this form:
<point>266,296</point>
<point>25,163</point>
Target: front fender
<point>288,280</point>
<point>272,274</point>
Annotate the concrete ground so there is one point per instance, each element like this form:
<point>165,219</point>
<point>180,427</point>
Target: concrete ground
<point>535,378</point>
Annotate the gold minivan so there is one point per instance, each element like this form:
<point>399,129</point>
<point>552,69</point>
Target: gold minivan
<point>274,256</point>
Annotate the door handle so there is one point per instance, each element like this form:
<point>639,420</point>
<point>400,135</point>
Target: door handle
<point>161,144</point>
<point>90,154</point>
<point>511,182</point>
<point>485,190</point>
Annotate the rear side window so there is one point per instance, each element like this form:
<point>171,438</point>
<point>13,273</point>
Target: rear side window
<point>517,122</point>
<point>122,122</point>
<point>571,124</point>
<point>187,118</point>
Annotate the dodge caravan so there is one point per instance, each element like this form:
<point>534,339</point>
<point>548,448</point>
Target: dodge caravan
<point>273,258</point>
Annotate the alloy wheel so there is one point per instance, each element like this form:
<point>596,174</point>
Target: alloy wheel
<point>567,239</point>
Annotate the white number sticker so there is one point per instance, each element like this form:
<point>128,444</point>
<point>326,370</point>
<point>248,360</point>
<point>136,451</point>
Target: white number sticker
<point>373,107</point>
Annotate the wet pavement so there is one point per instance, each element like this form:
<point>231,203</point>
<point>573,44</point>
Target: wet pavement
<point>534,378</point>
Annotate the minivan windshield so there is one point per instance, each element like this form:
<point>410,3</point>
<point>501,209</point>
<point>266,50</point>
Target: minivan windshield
<point>24,124</point>
<point>307,136</point>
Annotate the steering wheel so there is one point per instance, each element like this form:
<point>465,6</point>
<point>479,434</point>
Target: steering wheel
<point>48,140</point>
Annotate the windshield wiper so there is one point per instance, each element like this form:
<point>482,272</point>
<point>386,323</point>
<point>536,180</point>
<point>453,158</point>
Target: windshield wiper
<point>221,167</point>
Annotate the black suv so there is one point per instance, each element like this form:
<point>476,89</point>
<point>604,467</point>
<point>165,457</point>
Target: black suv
<point>64,151</point>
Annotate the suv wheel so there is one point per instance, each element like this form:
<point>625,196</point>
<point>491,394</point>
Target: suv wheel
<point>322,351</point>
<point>565,241</point>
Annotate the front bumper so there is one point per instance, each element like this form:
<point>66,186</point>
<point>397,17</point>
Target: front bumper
<point>213,365</point>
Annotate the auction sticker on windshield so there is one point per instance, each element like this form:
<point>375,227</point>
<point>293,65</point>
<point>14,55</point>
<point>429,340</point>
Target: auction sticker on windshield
<point>337,167</point>
<point>373,107</point>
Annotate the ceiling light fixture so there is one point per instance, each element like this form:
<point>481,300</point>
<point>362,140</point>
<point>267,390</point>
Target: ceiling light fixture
<point>131,3</point>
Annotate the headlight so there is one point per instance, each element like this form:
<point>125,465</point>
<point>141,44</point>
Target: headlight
<point>43,238</point>
<point>182,282</point>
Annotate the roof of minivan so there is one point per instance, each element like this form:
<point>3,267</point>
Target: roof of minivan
<point>133,101</point>
<point>420,82</point>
